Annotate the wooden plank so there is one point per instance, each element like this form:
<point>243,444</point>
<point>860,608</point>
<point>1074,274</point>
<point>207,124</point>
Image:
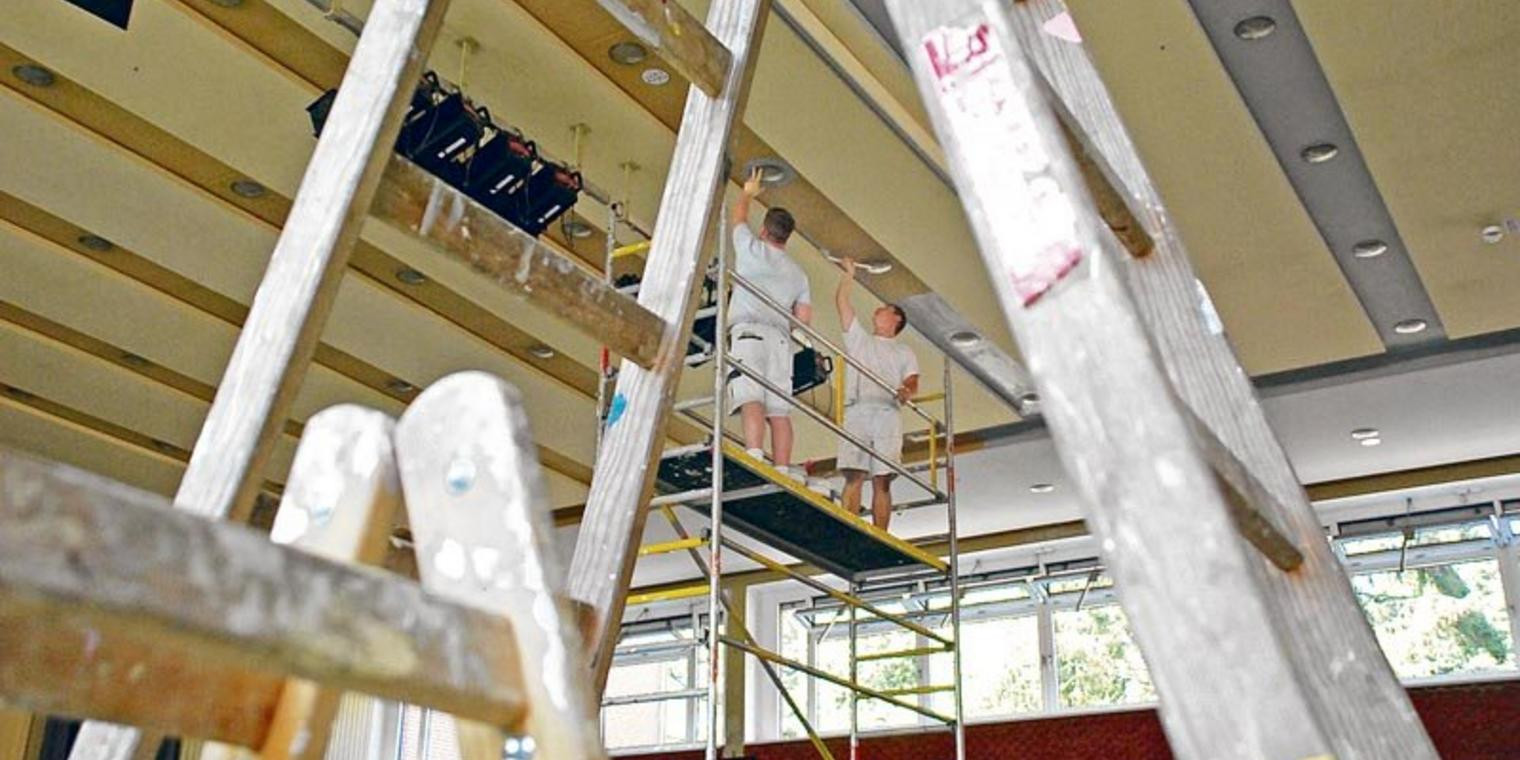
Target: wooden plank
<point>222,595</point>
<point>1322,630</point>
<point>479,515</point>
<point>617,505</point>
<point>456,225</point>
<point>343,495</point>
<point>678,38</point>
<point>1149,494</point>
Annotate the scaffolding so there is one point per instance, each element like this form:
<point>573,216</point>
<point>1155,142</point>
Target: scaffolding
<point>748,495</point>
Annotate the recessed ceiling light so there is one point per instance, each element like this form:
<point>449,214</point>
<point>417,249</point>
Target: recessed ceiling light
<point>628,53</point>
<point>227,3</point>
<point>965,338</point>
<point>1362,434</point>
<point>1493,233</point>
<point>165,447</point>
<point>876,266</point>
<point>655,77</point>
<point>541,351</point>
<point>1028,398</point>
<point>1320,153</point>
<point>397,385</point>
<point>133,360</point>
<point>773,171</point>
<point>1369,249</point>
<point>33,74</point>
<point>1369,442</point>
<point>95,243</point>
<point>1042,488</point>
<point>1410,326</point>
<point>1255,27</point>
<point>578,229</point>
<point>248,188</point>
<point>409,276</point>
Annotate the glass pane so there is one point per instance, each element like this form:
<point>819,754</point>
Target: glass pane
<point>647,723</point>
<point>834,701</point>
<point>1000,664</point>
<point>1439,620</point>
<point>1097,662</point>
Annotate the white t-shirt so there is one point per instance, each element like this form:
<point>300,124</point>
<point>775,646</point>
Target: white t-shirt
<point>888,358</point>
<point>773,272</point>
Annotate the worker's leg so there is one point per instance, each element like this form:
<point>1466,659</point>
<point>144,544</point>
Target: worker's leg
<point>854,483</point>
<point>881,500</point>
<point>752,415</point>
<point>781,440</point>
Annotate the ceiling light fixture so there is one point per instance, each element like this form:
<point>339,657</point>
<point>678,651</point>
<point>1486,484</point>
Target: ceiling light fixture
<point>133,360</point>
<point>875,266</point>
<point>773,172</point>
<point>578,229</point>
<point>628,53</point>
<point>1255,27</point>
<point>655,77</point>
<point>33,74</point>
<point>1410,326</point>
<point>95,243</point>
<point>247,188</point>
<point>1492,234</point>
<point>541,351</point>
<point>227,3</point>
<point>1369,249</point>
<point>1319,153</point>
<point>1028,398</point>
<point>1370,442</point>
<point>409,276</point>
<point>1362,434</point>
<point>964,339</point>
<point>397,385</point>
<point>1042,488</point>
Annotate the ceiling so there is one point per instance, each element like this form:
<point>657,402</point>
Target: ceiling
<point>111,356</point>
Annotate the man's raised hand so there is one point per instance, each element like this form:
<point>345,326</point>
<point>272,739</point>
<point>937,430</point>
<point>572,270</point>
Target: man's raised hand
<point>754,184</point>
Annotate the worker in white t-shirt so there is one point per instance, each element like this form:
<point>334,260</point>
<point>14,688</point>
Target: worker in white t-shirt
<point>872,413</point>
<point>759,336</point>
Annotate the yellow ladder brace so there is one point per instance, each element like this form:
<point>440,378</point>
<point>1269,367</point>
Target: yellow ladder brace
<point>670,546</point>
<point>903,653</point>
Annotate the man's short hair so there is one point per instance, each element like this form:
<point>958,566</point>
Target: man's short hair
<point>902,318</point>
<point>779,224</point>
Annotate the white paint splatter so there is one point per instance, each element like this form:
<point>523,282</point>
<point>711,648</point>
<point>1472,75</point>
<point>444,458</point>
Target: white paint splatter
<point>289,524</point>
<point>450,559</point>
<point>483,559</point>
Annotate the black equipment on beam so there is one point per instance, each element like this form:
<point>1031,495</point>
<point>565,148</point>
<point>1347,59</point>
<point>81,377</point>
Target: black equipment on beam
<point>114,12</point>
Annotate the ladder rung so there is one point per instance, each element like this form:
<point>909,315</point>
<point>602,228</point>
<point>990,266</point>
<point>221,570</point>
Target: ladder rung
<point>909,690</point>
<point>916,652</point>
<point>667,595</point>
<point>632,249</point>
<point>666,547</point>
<point>454,224</point>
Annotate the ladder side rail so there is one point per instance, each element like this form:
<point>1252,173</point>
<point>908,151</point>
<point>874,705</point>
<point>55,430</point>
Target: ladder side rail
<point>616,508</point>
<point>479,515</point>
<point>1149,494</point>
<point>1362,703</point>
<point>342,496</point>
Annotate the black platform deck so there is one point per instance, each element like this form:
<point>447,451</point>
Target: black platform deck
<point>796,520</point>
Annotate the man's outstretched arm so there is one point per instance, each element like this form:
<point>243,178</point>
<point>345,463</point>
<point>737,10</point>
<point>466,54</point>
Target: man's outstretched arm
<point>842,293</point>
<point>749,192</point>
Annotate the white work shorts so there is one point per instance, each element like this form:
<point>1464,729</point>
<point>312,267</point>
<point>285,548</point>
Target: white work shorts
<point>879,427</point>
<point>767,351</point>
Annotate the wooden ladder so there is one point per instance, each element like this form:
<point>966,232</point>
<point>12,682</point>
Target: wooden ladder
<point>353,174</point>
<point>1257,646</point>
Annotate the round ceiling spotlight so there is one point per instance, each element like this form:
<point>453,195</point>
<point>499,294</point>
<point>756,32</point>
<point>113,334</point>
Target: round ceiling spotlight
<point>95,243</point>
<point>1255,27</point>
<point>655,77</point>
<point>1028,398</point>
<point>578,229</point>
<point>1042,488</point>
<point>875,266</point>
<point>1362,434</point>
<point>399,386</point>
<point>409,276</point>
<point>1369,249</point>
<point>1320,153</point>
<point>541,351</point>
<point>1370,442</point>
<point>227,3</point>
<point>628,53</point>
<point>33,74</point>
<point>1492,234</point>
<point>773,173</point>
<point>133,360</point>
<point>1410,326</point>
<point>247,188</point>
<point>965,338</point>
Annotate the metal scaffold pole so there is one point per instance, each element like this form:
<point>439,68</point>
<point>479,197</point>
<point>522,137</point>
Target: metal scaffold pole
<point>715,538</point>
<point>955,568</point>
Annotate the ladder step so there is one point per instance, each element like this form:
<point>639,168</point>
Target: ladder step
<point>667,547</point>
<point>454,224</point>
<point>915,652</point>
<point>667,595</point>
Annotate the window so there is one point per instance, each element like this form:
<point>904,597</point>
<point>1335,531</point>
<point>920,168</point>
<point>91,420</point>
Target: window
<point>653,695</point>
<point>1000,659</point>
<point>1439,620</point>
<point>1097,661</point>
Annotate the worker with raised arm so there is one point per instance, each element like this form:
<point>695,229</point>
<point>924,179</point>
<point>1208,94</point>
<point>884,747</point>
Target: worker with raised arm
<point>759,336</point>
<point>872,413</point>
